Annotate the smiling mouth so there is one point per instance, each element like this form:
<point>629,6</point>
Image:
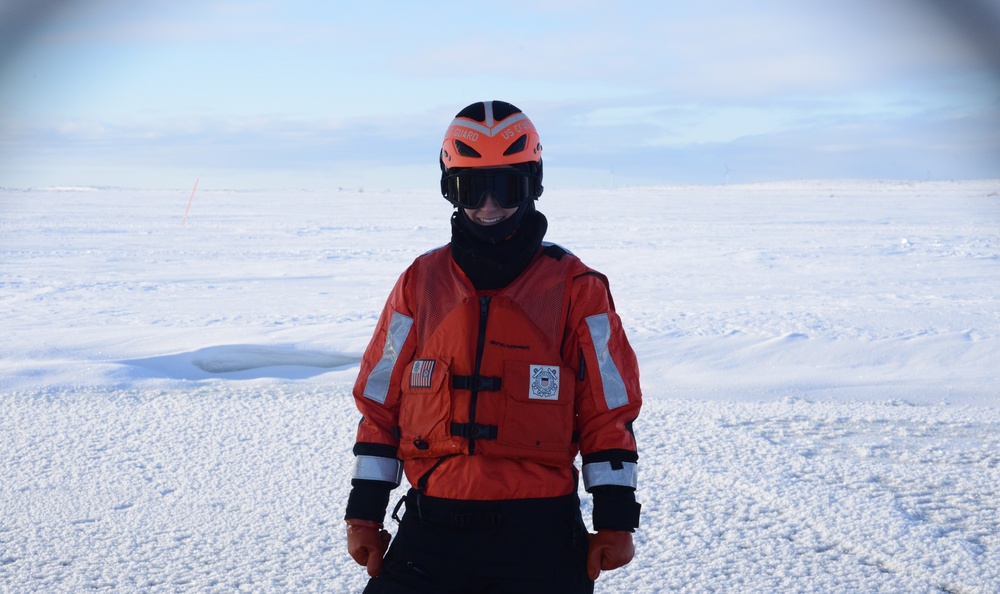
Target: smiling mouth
<point>490,221</point>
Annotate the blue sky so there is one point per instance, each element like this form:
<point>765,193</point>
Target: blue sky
<point>270,94</point>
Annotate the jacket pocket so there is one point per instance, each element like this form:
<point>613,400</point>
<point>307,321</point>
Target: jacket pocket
<point>538,410</point>
<point>425,410</point>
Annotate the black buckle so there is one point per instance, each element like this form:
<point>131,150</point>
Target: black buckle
<point>478,383</point>
<point>482,519</point>
<point>474,430</point>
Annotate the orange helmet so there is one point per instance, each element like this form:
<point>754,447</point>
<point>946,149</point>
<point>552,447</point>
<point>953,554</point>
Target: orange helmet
<point>492,134</point>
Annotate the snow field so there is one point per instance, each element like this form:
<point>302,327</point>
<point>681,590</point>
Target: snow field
<point>210,490</point>
<point>818,363</point>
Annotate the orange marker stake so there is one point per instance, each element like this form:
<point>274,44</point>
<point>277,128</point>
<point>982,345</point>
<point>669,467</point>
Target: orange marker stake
<point>184,220</point>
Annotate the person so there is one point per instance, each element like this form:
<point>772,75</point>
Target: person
<point>496,360</point>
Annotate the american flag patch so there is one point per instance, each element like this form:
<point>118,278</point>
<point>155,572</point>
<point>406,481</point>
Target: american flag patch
<point>420,376</point>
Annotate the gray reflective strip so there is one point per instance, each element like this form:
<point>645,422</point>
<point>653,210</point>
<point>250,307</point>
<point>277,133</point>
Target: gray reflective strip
<point>615,394</point>
<point>377,386</point>
<point>597,474</point>
<point>490,130</point>
<point>377,468</point>
<point>488,105</point>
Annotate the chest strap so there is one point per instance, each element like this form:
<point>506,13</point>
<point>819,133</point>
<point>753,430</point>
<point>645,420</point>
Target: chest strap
<point>479,383</point>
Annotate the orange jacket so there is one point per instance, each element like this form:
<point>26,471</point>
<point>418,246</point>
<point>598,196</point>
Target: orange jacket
<point>486,395</point>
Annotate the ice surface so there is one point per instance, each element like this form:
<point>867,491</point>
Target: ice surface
<point>820,365</point>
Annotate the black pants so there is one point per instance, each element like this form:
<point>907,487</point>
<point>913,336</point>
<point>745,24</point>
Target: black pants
<point>525,546</point>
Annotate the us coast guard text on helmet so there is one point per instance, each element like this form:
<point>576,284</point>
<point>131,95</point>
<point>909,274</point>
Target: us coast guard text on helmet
<point>461,132</point>
<point>468,130</point>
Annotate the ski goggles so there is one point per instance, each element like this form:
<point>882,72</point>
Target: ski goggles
<point>467,188</point>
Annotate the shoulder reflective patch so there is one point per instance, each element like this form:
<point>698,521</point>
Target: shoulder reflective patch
<point>615,394</point>
<point>377,385</point>
<point>598,474</point>
<point>377,468</point>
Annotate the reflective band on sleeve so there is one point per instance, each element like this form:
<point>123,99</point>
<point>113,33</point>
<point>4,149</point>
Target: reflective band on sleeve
<point>377,468</point>
<point>377,386</point>
<point>611,379</point>
<point>598,474</point>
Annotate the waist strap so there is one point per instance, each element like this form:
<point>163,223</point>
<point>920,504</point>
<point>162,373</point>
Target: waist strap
<point>474,431</point>
<point>463,514</point>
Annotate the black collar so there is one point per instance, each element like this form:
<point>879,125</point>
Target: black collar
<point>496,265</point>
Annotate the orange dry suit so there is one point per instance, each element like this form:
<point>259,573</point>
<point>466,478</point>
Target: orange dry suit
<point>490,395</point>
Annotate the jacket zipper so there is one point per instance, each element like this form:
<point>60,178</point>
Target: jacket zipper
<point>484,308</point>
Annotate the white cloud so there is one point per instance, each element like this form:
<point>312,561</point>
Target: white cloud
<point>674,88</point>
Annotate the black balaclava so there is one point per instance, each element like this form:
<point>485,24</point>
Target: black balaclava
<point>494,233</point>
<point>492,256</point>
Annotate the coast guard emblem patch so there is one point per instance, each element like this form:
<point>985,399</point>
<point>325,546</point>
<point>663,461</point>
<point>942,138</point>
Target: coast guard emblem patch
<point>544,382</point>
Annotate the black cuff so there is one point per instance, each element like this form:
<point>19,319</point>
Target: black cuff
<point>615,508</point>
<point>368,500</point>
